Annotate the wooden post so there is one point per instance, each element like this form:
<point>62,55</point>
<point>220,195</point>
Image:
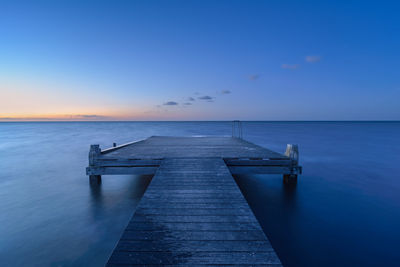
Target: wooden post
<point>292,151</point>
<point>93,154</point>
<point>114,144</point>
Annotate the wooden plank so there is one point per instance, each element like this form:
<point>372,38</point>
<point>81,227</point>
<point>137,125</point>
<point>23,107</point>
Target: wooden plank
<point>185,205</point>
<point>100,162</point>
<point>189,186</point>
<point>108,150</point>
<point>121,170</point>
<point>196,246</point>
<point>161,201</point>
<point>193,226</point>
<point>177,257</point>
<point>235,170</point>
<point>246,235</point>
<point>161,219</point>
<point>184,197</point>
<point>264,162</point>
<point>192,265</point>
<point>170,211</point>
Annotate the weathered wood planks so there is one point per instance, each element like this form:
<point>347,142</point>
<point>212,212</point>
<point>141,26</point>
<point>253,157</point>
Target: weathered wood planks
<point>176,147</point>
<point>193,213</point>
<point>144,157</point>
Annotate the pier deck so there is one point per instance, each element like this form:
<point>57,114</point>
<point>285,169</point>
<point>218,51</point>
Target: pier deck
<point>192,213</point>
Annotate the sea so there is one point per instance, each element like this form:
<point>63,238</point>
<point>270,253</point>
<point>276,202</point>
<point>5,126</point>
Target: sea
<point>344,210</point>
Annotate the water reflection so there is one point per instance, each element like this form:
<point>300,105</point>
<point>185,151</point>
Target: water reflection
<point>275,204</point>
<point>95,189</point>
<point>289,195</point>
<point>97,199</point>
<point>102,202</point>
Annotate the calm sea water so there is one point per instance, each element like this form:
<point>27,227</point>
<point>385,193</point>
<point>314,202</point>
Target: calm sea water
<point>344,211</point>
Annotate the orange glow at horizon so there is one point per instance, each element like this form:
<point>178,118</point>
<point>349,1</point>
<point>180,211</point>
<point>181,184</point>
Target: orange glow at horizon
<point>72,117</point>
<point>44,117</point>
<point>139,115</point>
<point>34,101</point>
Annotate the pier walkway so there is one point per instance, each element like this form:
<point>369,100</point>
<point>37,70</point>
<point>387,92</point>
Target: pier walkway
<point>193,213</point>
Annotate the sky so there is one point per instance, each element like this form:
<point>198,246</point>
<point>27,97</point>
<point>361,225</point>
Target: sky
<point>199,60</point>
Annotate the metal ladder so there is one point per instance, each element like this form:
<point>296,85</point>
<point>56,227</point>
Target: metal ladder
<point>237,130</point>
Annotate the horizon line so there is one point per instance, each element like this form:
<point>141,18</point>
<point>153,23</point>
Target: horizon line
<point>198,120</point>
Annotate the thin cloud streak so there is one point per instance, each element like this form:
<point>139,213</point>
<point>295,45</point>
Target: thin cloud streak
<point>290,66</point>
<point>313,59</point>
<point>254,77</point>
<point>206,97</point>
<point>170,103</point>
<point>91,116</point>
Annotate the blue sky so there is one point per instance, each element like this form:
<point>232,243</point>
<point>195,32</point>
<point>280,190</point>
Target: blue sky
<point>200,60</point>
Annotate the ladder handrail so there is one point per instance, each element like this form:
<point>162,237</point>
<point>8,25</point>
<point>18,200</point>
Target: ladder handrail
<point>239,131</point>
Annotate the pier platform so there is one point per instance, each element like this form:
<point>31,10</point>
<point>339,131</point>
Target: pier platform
<point>193,213</point>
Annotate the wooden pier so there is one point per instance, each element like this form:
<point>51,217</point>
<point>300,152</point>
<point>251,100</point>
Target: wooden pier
<point>193,213</point>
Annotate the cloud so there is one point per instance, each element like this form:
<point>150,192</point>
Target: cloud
<point>191,99</point>
<point>254,77</point>
<point>313,59</point>
<point>225,92</point>
<point>206,97</point>
<point>170,103</point>
<point>85,116</point>
<point>187,104</point>
<point>290,66</point>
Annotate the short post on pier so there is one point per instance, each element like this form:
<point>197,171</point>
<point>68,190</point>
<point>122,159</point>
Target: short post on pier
<point>94,152</point>
<point>292,151</point>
